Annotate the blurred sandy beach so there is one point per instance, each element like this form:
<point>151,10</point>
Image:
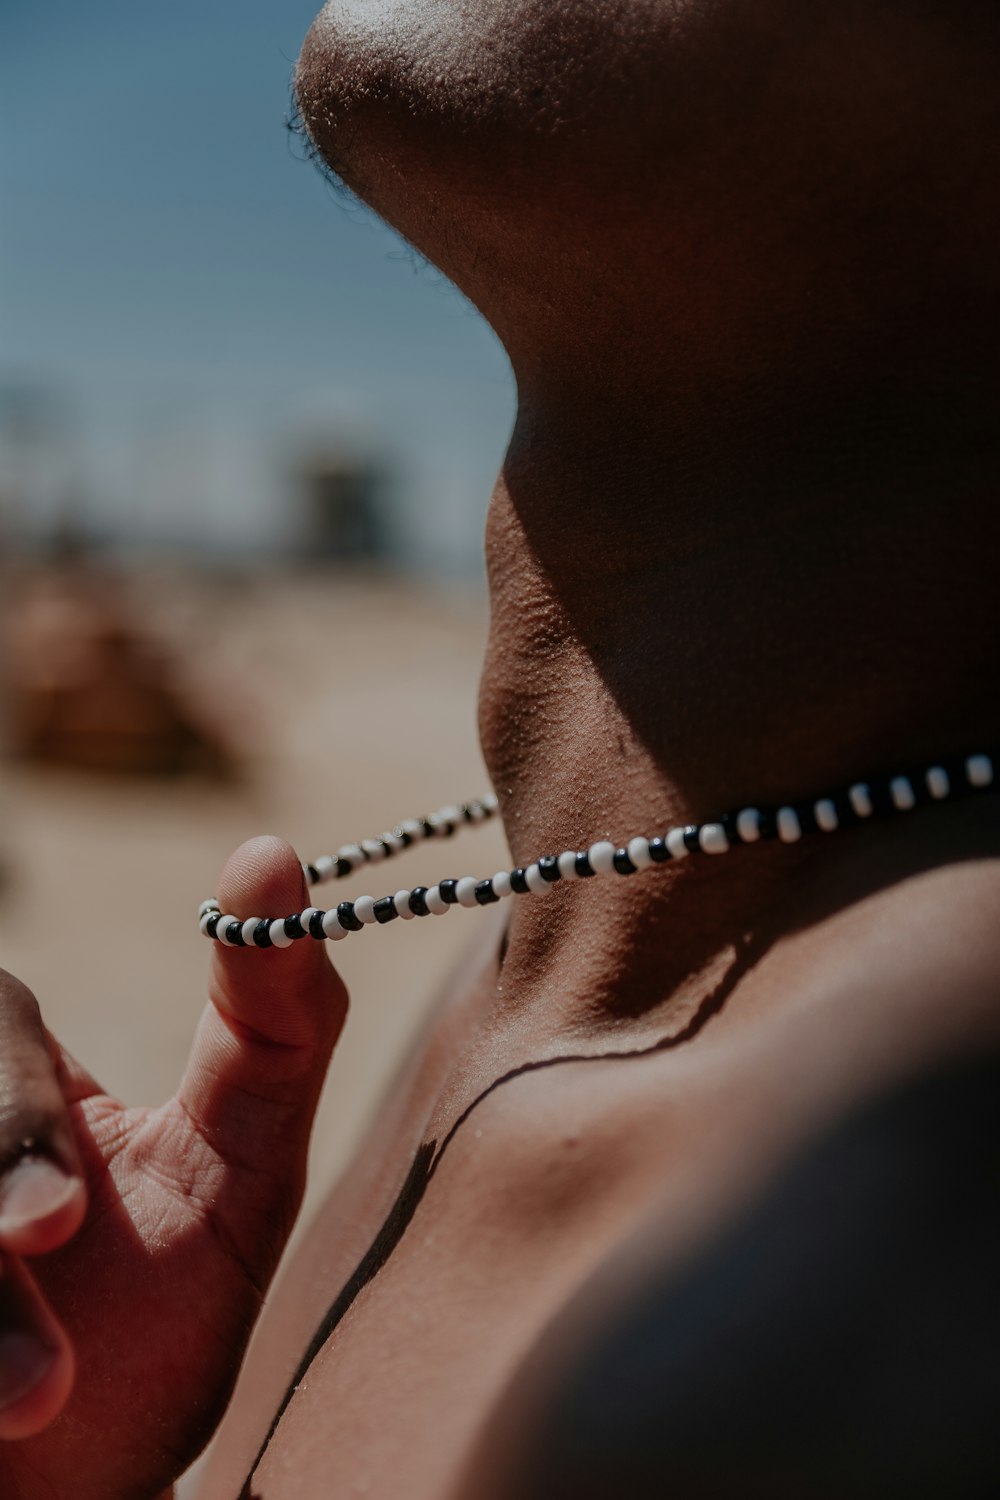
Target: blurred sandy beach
<point>352,701</point>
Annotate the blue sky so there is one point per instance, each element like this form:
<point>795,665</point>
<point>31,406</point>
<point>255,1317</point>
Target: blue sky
<point>167,261</point>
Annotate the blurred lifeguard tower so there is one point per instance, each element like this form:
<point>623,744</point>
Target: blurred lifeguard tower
<point>342,520</point>
<point>341,508</point>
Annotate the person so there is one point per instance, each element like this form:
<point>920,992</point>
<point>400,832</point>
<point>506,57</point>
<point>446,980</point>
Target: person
<point>687,1187</point>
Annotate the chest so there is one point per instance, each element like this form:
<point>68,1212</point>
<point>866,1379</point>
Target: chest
<point>430,1277</point>
<point>491,1233</point>
<point>448,1251</point>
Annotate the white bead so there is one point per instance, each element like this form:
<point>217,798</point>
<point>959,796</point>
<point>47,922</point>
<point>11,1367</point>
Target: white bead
<point>207,907</point>
<point>860,798</point>
<point>279,937</point>
<point>477,812</point>
<point>902,793</point>
<point>938,783</point>
<point>748,825</point>
<point>825,813</point>
<point>401,901</point>
<point>712,838</point>
<point>501,884</point>
<point>332,926</point>
<point>364,909</point>
<point>248,930</point>
<point>602,857</point>
<point>451,814</point>
<point>789,827</point>
<point>413,827</point>
<point>979,770</point>
<point>567,864</point>
<point>491,802</point>
<point>395,843</point>
<point>352,853</point>
<point>435,902</point>
<point>676,845</point>
<point>536,882</point>
<point>638,853</point>
<point>373,849</point>
<point>465,890</point>
<point>220,931</point>
<point>325,866</point>
<point>203,924</point>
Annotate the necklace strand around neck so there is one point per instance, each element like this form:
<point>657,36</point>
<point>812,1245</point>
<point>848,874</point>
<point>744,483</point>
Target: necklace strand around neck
<point>946,780</point>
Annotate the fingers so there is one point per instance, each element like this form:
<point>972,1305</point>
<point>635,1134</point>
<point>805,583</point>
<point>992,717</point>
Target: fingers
<point>283,995</point>
<point>264,1043</point>
<point>36,1360</point>
<point>42,1193</point>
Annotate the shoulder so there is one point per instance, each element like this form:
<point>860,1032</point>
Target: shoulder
<point>838,1340</point>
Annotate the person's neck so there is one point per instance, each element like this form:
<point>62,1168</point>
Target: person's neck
<point>672,639</point>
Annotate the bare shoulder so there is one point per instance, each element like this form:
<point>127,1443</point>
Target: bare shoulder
<point>837,1338</point>
<point>806,1305</point>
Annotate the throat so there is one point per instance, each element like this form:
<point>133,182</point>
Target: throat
<point>662,651</point>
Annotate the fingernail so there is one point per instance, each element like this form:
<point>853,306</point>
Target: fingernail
<point>31,1191</point>
<point>24,1363</point>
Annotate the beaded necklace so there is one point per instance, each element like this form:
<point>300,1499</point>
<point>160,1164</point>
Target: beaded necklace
<point>879,797</point>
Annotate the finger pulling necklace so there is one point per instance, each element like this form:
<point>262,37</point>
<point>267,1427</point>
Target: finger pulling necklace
<point>878,797</point>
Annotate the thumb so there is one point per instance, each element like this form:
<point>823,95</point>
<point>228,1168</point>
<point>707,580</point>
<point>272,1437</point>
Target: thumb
<point>262,1048</point>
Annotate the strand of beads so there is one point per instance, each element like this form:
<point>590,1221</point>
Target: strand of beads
<point>879,797</point>
<point>440,825</point>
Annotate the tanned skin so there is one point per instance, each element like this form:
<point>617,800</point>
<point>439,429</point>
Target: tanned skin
<point>743,548</point>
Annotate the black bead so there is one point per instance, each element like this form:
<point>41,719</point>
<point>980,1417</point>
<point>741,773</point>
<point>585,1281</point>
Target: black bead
<point>234,932</point>
<point>418,905</point>
<point>428,826</point>
<point>407,838</point>
<point>293,927</point>
<point>584,869</point>
<point>346,917</point>
<point>623,863</point>
<point>768,823</point>
<point>485,894</point>
<point>548,868</point>
<point>262,934</point>
<point>954,767</point>
<point>343,867</point>
<point>882,797</point>
<point>659,853</point>
<point>389,851</point>
<point>212,923</point>
<point>467,812</point>
<point>518,883</point>
<point>846,816</point>
<point>921,791</point>
<point>312,874</point>
<point>448,892</point>
<point>691,840</point>
<point>316,925</point>
<point>385,909</point>
<point>732,832</point>
<point>806,814</point>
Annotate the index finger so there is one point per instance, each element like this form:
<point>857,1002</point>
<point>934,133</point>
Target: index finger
<point>42,1193</point>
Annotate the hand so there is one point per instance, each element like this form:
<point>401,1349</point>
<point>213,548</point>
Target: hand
<point>136,1244</point>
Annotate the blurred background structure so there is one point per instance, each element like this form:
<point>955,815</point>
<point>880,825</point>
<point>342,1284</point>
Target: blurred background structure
<point>246,445</point>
